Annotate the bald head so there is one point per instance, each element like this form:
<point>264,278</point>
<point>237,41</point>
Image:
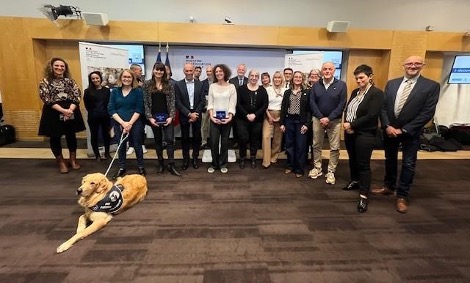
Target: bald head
<point>413,66</point>
<point>188,70</point>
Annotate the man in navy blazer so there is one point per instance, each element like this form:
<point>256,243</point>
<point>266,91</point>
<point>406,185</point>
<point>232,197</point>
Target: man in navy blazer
<point>403,118</point>
<point>190,101</point>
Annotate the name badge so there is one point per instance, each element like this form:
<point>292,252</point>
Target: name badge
<point>160,118</point>
<point>221,115</point>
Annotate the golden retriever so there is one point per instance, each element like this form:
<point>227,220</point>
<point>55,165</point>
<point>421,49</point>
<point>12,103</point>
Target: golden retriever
<point>101,200</point>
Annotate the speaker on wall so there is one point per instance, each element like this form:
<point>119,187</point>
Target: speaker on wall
<point>337,26</point>
<point>95,19</point>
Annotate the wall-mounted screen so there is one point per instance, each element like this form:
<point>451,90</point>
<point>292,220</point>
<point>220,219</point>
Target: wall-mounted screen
<point>460,71</point>
<point>136,54</point>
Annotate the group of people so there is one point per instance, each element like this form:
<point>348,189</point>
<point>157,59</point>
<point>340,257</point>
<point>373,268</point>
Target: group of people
<point>261,115</point>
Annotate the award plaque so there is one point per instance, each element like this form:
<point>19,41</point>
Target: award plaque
<point>160,118</point>
<point>221,115</point>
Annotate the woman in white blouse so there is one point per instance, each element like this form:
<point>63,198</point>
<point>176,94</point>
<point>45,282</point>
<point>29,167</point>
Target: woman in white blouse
<point>221,106</point>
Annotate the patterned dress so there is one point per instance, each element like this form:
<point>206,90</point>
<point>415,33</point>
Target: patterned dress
<point>62,91</point>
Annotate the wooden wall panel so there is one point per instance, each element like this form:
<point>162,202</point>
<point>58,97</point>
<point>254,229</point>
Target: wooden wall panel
<point>405,44</point>
<point>445,41</point>
<point>373,58</point>
<point>320,37</point>
<point>31,42</point>
<point>234,35</point>
<point>434,65</point>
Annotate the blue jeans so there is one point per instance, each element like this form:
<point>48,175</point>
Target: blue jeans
<point>410,146</point>
<point>136,136</point>
<point>296,145</point>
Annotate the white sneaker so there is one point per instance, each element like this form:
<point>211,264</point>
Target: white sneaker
<point>144,149</point>
<point>130,150</point>
<point>330,178</point>
<point>315,173</point>
<point>224,170</point>
<point>210,170</point>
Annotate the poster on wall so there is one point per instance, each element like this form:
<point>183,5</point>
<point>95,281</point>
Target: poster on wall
<point>305,61</point>
<point>110,61</point>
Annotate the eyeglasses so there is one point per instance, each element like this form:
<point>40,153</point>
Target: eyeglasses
<point>416,64</point>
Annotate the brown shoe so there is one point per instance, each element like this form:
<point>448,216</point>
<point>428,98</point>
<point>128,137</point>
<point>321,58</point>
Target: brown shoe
<point>382,191</point>
<point>402,205</point>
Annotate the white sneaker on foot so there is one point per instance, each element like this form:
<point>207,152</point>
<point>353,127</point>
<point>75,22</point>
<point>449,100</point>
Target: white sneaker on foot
<point>330,178</point>
<point>210,170</point>
<point>224,170</point>
<point>144,149</point>
<point>315,173</point>
<point>130,150</point>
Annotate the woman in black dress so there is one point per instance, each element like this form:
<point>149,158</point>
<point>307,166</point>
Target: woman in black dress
<point>96,99</point>
<point>61,112</point>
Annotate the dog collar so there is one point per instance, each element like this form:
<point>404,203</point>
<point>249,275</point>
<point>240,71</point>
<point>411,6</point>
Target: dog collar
<point>112,201</point>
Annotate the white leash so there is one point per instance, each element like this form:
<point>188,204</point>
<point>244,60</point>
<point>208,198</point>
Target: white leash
<point>124,136</point>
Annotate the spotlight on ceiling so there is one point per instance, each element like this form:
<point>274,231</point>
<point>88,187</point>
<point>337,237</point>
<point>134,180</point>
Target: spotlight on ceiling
<point>53,13</point>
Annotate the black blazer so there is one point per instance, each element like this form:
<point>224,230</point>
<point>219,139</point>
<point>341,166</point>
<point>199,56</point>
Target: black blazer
<point>418,110</point>
<point>182,98</point>
<point>367,114</point>
<point>305,114</point>
<point>236,82</point>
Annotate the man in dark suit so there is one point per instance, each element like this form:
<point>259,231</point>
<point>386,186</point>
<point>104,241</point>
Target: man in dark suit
<point>190,101</point>
<point>205,121</point>
<point>238,81</point>
<point>410,103</point>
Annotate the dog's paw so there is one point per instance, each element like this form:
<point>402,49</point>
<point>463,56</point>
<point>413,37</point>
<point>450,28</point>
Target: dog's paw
<point>62,248</point>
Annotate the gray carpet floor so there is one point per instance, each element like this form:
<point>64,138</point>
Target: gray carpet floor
<point>252,225</point>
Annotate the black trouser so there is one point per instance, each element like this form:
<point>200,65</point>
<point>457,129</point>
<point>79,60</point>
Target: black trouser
<point>359,146</point>
<point>167,132</point>
<point>186,142</point>
<point>219,155</point>
<point>56,145</point>
<point>95,123</point>
<point>249,133</point>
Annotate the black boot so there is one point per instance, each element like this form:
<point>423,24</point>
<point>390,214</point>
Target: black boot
<point>242,163</point>
<point>121,172</point>
<point>362,204</point>
<point>172,170</point>
<point>160,167</point>
<point>253,162</point>
<point>142,171</point>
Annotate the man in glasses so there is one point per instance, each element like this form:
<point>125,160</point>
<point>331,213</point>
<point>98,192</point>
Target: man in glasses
<point>410,103</point>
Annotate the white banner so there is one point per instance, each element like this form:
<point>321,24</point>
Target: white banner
<point>110,61</point>
<point>263,60</point>
<point>304,62</point>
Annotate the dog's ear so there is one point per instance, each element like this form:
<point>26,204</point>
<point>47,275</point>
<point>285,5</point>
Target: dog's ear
<point>103,184</point>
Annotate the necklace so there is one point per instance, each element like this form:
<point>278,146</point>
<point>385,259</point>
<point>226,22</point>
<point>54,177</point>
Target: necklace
<point>277,91</point>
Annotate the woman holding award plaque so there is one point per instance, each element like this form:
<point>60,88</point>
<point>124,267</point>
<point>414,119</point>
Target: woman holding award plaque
<point>159,101</point>
<point>221,104</point>
<point>60,114</point>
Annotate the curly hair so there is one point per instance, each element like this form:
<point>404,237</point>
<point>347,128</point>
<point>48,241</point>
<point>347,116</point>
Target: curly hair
<point>49,71</point>
<point>225,69</point>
